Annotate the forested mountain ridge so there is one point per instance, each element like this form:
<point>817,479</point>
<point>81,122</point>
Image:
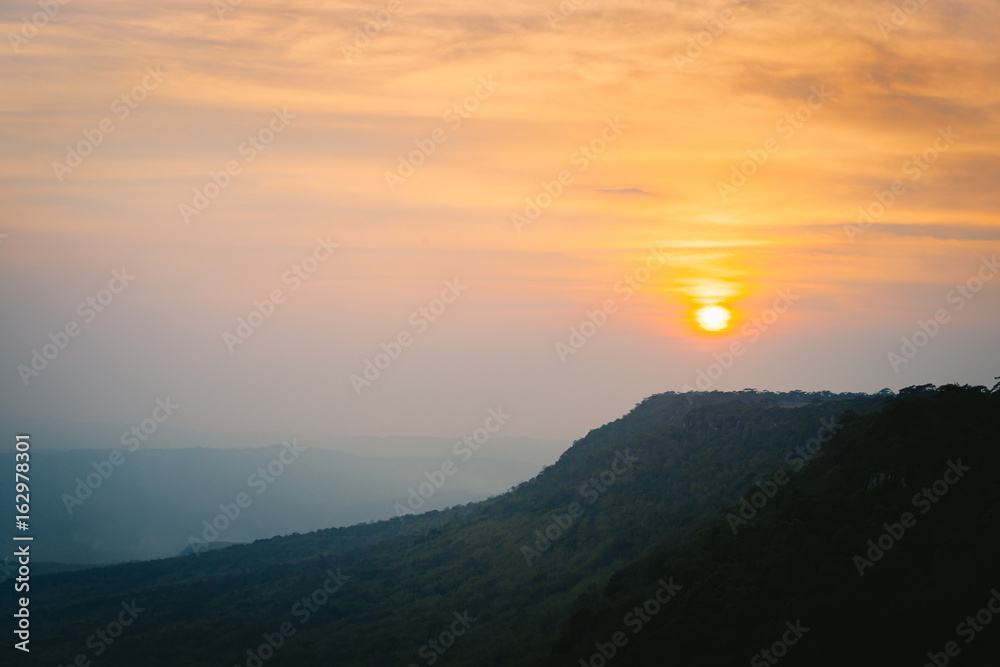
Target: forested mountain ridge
<point>516,563</point>
<point>884,548</point>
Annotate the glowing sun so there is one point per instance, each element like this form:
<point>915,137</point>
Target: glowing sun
<point>712,318</point>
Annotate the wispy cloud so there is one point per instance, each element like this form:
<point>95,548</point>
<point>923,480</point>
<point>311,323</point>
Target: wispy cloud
<point>627,191</point>
<point>355,120</point>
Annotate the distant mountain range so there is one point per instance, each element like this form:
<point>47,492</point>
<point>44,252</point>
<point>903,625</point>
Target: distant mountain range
<point>94,506</point>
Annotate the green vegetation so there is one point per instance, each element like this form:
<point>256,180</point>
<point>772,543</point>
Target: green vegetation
<point>796,559</point>
<point>674,467</point>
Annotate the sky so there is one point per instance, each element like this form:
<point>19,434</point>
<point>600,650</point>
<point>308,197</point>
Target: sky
<point>389,218</point>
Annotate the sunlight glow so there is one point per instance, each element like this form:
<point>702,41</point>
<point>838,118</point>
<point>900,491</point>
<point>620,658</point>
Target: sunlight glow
<point>712,318</point>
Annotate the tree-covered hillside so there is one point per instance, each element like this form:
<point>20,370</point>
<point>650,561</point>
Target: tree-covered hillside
<point>519,564</point>
<point>883,548</point>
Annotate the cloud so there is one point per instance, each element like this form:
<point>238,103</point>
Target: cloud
<point>687,131</point>
<point>953,232</point>
<point>627,191</point>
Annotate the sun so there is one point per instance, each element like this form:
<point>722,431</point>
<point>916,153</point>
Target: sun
<point>712,318</point>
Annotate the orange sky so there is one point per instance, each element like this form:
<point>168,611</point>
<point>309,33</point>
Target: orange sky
<point>668,110</point>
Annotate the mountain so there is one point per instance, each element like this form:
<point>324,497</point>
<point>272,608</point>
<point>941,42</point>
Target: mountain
<point>56,435</point>
<point>882,551</point>
<point>194,550</point>
<point>105,506</point>
<point>549,563</point>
